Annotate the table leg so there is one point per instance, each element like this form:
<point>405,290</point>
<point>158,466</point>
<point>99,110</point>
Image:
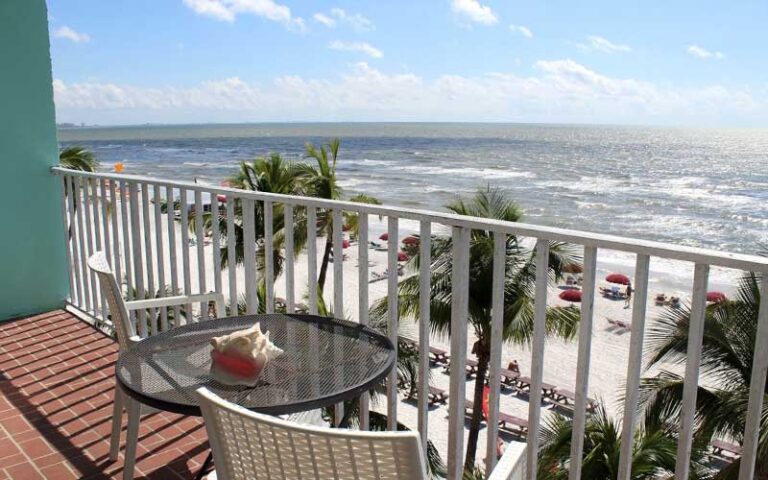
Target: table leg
<point>204,468</point>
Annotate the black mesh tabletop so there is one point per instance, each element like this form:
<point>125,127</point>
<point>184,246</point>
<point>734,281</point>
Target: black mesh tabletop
<point>325,361</point>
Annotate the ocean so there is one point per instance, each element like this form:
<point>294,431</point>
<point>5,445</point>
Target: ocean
<point>697,187</point>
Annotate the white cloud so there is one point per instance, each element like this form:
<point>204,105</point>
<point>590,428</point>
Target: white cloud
<point>227,10</point>
<point>703,53</point>
<point>341,16</point>
<point>325,20</point>
<point>560,91</point>
<point>363,47</point>
<point>604,45</point>
<point>474,11</point>
<point>72,35</point>
<point>522,30</point>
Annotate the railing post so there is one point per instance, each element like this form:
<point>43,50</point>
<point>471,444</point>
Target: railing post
<point>184,212</point>
<point>138,261</point>
<point>200,240</point>
<point>249,255</point>
<point>269,269</point>
<point>756,387</point>
<point>170,211</point>
<point>459,311</point>
<point>695,335</point>
<point>497,332</point>
<point>393,318</point>
<point>634,368</point>
<point>425,305</point>
<point>537,356</point>
<point>231,255</point>
<point>289,267</point>
<point>583,362</point>
<point>362,261</point>
<point>312,258</point>
<point>67,239</point>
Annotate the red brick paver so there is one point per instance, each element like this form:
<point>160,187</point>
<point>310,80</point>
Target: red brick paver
<point>56,387</point>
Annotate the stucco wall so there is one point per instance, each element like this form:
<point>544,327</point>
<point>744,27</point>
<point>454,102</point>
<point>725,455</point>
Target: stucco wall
<point>33,275</point>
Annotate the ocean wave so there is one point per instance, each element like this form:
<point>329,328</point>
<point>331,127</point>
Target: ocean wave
<point>485,173</point>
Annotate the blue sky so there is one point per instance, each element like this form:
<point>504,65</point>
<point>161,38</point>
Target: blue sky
<point>171,61</point>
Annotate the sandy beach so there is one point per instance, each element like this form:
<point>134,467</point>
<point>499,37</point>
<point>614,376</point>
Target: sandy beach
<point>610,345</point>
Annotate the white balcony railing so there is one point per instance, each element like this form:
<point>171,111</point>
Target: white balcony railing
<point>123,215</point>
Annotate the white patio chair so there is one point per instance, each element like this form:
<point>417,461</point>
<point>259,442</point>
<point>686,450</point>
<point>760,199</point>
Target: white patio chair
<point>248,445</point>
<point>126,336</point>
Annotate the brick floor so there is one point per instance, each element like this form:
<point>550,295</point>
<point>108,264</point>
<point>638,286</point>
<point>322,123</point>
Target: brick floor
<point>56,386</point>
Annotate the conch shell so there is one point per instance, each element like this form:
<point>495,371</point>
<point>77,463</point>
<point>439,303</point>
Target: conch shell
<point>248,343</point>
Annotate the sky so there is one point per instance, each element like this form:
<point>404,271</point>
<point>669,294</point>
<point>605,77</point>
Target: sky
<point>680,63</point>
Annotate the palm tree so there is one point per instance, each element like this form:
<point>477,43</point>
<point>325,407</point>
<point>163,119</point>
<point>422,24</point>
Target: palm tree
<point>654,451</point>
<point>76,157</point>
<point>728,349</point>
<point>519,286</point>
<point>320,181</point>
<point>271,174</point>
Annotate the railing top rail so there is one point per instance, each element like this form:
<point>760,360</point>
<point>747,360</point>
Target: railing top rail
<point>612,242</point>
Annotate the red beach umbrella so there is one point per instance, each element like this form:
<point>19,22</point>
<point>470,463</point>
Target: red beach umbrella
<point>345,244</point>
<point>572,295</point>
<point>618,278</point>
<point>716,297</point>
<point>402,257</point>
<point>410,241</point>
<point>384,236</point>
<point>221,198</point>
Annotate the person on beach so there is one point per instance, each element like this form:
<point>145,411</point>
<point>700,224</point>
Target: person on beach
<point>628,298</point>
<point>513,366</point>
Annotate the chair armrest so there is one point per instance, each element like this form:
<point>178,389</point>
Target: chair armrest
<point>179,300</point>
<point>511,465</point>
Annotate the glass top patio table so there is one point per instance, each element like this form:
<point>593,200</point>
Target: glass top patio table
<point>326,361</point>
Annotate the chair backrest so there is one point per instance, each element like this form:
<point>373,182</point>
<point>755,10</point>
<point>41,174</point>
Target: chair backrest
<point>121,321</point>
<point>248,445</point>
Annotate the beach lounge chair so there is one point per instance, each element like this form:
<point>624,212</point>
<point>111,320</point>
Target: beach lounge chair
<point>438,355</point>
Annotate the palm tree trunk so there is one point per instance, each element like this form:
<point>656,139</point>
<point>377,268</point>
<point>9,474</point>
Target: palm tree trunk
<point>326,259</point>
<point>477,411</point>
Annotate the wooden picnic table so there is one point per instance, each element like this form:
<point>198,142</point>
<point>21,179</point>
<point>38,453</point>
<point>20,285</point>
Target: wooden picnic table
<point>435,395</point>
<point>513,424</point>
<point>508,377</point>
<point>547,389</point>
<point>470,367</point>
<point>567,398</point>
<point>510,423</point>
<point>719,446</point>
<point>438,355</point>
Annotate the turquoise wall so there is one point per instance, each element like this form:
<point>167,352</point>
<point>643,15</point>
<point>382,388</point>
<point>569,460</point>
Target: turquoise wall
<point>33,269</point>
